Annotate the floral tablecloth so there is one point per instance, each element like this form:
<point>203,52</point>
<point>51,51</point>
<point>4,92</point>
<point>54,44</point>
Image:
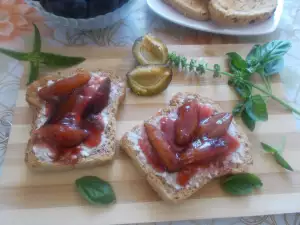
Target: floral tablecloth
<point>16,18</point>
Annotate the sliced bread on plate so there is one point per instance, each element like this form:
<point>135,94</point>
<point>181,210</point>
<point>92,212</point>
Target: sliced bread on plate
<point>165,183</point>
<point>241,12</point>
<point>43,158</point>
<point>194,9</point>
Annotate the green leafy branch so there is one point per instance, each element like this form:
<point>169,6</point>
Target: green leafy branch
<point>36,57</point>
<point>265,60</point>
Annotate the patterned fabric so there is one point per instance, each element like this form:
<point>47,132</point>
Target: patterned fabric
<point>16,18</point>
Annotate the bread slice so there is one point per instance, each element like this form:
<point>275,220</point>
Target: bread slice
<point>39,159</point>
<point>241,12</point>
<point>165,183</point>
<point>194,9</point>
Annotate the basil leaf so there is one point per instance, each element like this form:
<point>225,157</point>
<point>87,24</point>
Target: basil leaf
<point>268,52</point>
<point>254,56</point>
<point>276,153</point>
<point>37,40</point>
<point>238,65</point>
<point>34,71</point>
<point>236,61</point>
<point>22,56</point>
<point>95,190</point>
<point>274,50</point>
<point>55,60</point>
<point>248,121</point>
<point>256,108</point>
<point>241,184</point>
<point>282,162</point>
<point>274,67</point>
<point>239,107</point>
<point>268,148</point>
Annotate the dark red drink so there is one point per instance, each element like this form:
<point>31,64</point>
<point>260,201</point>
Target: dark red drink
<point>81,8</point>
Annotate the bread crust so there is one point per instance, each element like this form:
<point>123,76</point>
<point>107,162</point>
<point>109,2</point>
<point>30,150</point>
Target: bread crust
<point>159,183</point>
<point>194,9</point>
<point>233,12</point>
<point>103,153</point>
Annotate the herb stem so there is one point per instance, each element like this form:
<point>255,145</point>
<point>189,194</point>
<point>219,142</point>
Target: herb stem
<point>282,102</point>
<point>222,72</point>
<point>266,82</point>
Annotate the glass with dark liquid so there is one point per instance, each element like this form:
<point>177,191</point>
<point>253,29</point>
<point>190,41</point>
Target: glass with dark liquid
<point>81,8</point>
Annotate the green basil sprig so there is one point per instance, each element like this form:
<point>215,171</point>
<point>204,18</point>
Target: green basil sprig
<point>95,190</point>
<point>266,59</point>
<point>241,184</point>
<point>36,57</point>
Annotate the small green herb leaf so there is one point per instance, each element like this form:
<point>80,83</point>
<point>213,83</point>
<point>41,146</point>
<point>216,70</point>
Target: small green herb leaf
<point>257,108</point>
<point>236,62</point>
<point>22,56</point>
<point>282,162</point>
<point>253,57</point>
<point>274,50</point>
<point>95,190</point>
<point>276,153</point>
<point>183,62</point>
<point>192,65</point>
<point>241,184</point>
<point>248,121</point>
<point>268,148</point>
<point>37,44</point>
<point>237,110</point>
<point>55,60</point>
<point>34,72</point>
<point>274,67</point>
<point>36,57</point>
<point>261,55</point>
<point>200,68</point>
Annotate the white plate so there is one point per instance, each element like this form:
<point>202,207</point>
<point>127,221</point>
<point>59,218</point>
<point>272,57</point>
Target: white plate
<point>169,13</point>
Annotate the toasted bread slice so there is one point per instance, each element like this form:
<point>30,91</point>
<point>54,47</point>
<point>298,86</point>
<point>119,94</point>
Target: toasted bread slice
<point>194,9</point>
<point>241,12</point>
<point>165,183</point>
<point>40,159</point>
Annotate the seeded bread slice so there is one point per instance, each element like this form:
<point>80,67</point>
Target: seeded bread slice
<point>39,159</point>
<point>241,12</point>
<point>194,9</point>
<point>163,183</point>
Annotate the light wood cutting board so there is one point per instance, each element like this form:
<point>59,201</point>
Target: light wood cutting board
<point>50,198</point>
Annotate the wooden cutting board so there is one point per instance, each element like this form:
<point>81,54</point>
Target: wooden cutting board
<point>50,198</point>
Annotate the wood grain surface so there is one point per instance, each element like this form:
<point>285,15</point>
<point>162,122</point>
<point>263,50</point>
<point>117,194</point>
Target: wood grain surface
<point>33,198</point>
